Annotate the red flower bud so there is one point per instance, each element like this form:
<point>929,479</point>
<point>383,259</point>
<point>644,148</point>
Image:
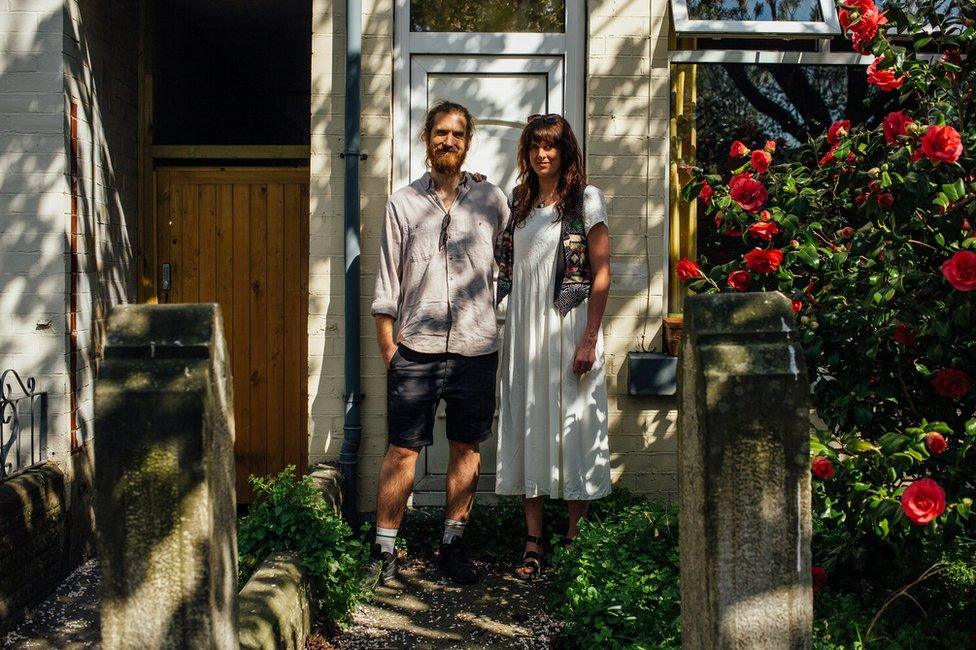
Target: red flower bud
<point>818,579</point>
<point>822,467</point>
<point>936,443</point>
<point>739,280</point>
<point>885,199</point>
<point>738,150</point>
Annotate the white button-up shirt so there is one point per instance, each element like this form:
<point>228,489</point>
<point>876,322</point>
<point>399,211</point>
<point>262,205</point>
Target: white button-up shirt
<point>436,267</point>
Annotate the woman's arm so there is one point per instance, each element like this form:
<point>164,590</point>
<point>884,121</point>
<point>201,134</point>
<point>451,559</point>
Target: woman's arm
<point>598,248</point>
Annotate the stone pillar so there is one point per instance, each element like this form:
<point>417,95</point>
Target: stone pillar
<point>744,477</point>
<point>164,458</point>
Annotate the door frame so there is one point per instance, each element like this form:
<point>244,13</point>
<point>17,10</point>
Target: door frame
<point>570,46</point>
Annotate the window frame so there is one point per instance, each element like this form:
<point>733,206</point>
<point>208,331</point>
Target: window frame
<point>684,25</point>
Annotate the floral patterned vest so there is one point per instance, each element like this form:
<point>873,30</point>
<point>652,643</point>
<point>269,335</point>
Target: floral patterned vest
<point>572,284</point>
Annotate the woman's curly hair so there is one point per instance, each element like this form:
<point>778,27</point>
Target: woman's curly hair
<point>572,174</point>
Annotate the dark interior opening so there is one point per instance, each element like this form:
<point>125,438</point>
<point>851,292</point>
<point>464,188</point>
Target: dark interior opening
<point>232,73</point>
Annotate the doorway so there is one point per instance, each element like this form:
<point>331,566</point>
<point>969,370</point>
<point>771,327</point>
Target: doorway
<point>502,76</point>
<point>225,98</point>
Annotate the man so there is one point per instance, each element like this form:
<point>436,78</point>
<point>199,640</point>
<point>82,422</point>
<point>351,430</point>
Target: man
<point>435,278</point>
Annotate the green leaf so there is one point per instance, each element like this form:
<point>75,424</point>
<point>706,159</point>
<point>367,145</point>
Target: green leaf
<point>941,200</point>
<point>954,191</point>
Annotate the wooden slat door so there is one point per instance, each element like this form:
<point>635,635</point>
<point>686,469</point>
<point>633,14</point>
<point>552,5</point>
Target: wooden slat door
<point>239,237</point>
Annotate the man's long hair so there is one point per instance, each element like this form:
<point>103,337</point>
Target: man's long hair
<point>572,172</point>
<point>444,107</point>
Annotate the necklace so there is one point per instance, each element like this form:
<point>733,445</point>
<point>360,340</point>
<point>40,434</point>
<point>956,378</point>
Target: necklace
<point>542,204</point>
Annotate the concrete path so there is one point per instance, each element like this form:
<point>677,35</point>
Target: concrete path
<point>67,620</point>
<point>424,610</point>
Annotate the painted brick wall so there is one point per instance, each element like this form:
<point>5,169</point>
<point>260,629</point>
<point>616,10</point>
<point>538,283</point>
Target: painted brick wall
<point>627,118</point>
<point>33,200</point>
<point>101,80</point>
<point>326,291</point>
<point>626,140</point>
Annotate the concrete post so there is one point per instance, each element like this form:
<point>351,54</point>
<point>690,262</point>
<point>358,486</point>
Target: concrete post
<point>744,477</point>
<point>165,503</point>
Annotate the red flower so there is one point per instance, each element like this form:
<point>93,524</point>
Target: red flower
<point>738,150</point>
<point>706,192</point>
<point>761,160</point>
<point>822,467</point>
<point>797,305</point>
<point>749,193</point>
<point>739,280</point>
<point>895,125</point>
<point>861,198</point>
<point>936,443</point>
<point>687,269</point>
<point>818,578</point>
<point>862,20</point>
<point>960,271</point>
<point>923,501</point>
<point>733,232</point>
<point>765,215</point>
<point>903,335</point>
<point>764,230</point>
<point>838,130</point>
<point>951,383</point>
<point>770,146</point>
<point>941,144</point>
<point>883,78</point>
<point>763,261</point>
<point>885,199</point>
<point>829,156</point>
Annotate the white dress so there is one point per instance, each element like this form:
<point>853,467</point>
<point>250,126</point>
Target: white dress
<point>552,431</point>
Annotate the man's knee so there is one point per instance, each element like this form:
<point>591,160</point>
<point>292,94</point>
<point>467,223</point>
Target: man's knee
<point>463,449</point>
<point>402,455</point>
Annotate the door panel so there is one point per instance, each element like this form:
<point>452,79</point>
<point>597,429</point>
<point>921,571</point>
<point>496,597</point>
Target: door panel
<point>239,237</point>
<point>501,93</point>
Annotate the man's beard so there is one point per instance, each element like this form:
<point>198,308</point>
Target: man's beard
<point>447,162</point>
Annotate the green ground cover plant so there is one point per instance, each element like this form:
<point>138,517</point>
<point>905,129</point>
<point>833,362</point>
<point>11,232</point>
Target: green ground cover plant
<point>289,514</point>
<point>617,587</point>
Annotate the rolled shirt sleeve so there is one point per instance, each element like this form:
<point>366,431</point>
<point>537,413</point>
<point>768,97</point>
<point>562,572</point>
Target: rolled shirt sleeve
<point>386,295</point>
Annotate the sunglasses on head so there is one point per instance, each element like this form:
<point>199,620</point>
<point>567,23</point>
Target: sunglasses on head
<point>548,118</point>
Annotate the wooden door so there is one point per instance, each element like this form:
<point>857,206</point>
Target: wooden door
<point>239,237</point>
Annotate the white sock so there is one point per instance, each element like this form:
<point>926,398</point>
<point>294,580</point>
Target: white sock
<point>452,529</point>
<point>386,538</point>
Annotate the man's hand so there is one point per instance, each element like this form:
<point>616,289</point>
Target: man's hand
<point>478,177</point>
<point>384,337</point>
<point>388,351</point>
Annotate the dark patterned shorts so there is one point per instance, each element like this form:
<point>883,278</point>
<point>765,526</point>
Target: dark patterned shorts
<point>415,384</point>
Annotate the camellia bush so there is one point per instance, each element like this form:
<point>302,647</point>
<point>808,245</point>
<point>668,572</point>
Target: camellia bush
<point>872,234</point>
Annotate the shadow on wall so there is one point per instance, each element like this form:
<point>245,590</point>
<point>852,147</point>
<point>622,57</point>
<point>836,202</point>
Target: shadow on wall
<point>87,52</point>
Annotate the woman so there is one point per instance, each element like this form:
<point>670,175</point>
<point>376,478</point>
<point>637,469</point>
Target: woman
<point>554,266</point>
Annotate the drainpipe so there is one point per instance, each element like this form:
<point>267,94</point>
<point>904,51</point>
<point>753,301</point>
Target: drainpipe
<point>352,428</point>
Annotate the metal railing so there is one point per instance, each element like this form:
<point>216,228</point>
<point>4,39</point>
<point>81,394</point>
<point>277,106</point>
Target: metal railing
<point>23,424</point>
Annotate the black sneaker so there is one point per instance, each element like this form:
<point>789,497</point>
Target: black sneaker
<point>381,568</point>
<point>454,561</point>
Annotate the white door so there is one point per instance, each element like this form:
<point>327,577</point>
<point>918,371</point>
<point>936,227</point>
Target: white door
<point>502,78</point>
<point>500,93</point>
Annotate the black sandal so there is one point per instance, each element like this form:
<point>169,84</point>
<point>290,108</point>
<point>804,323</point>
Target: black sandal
<point>531,560</point>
